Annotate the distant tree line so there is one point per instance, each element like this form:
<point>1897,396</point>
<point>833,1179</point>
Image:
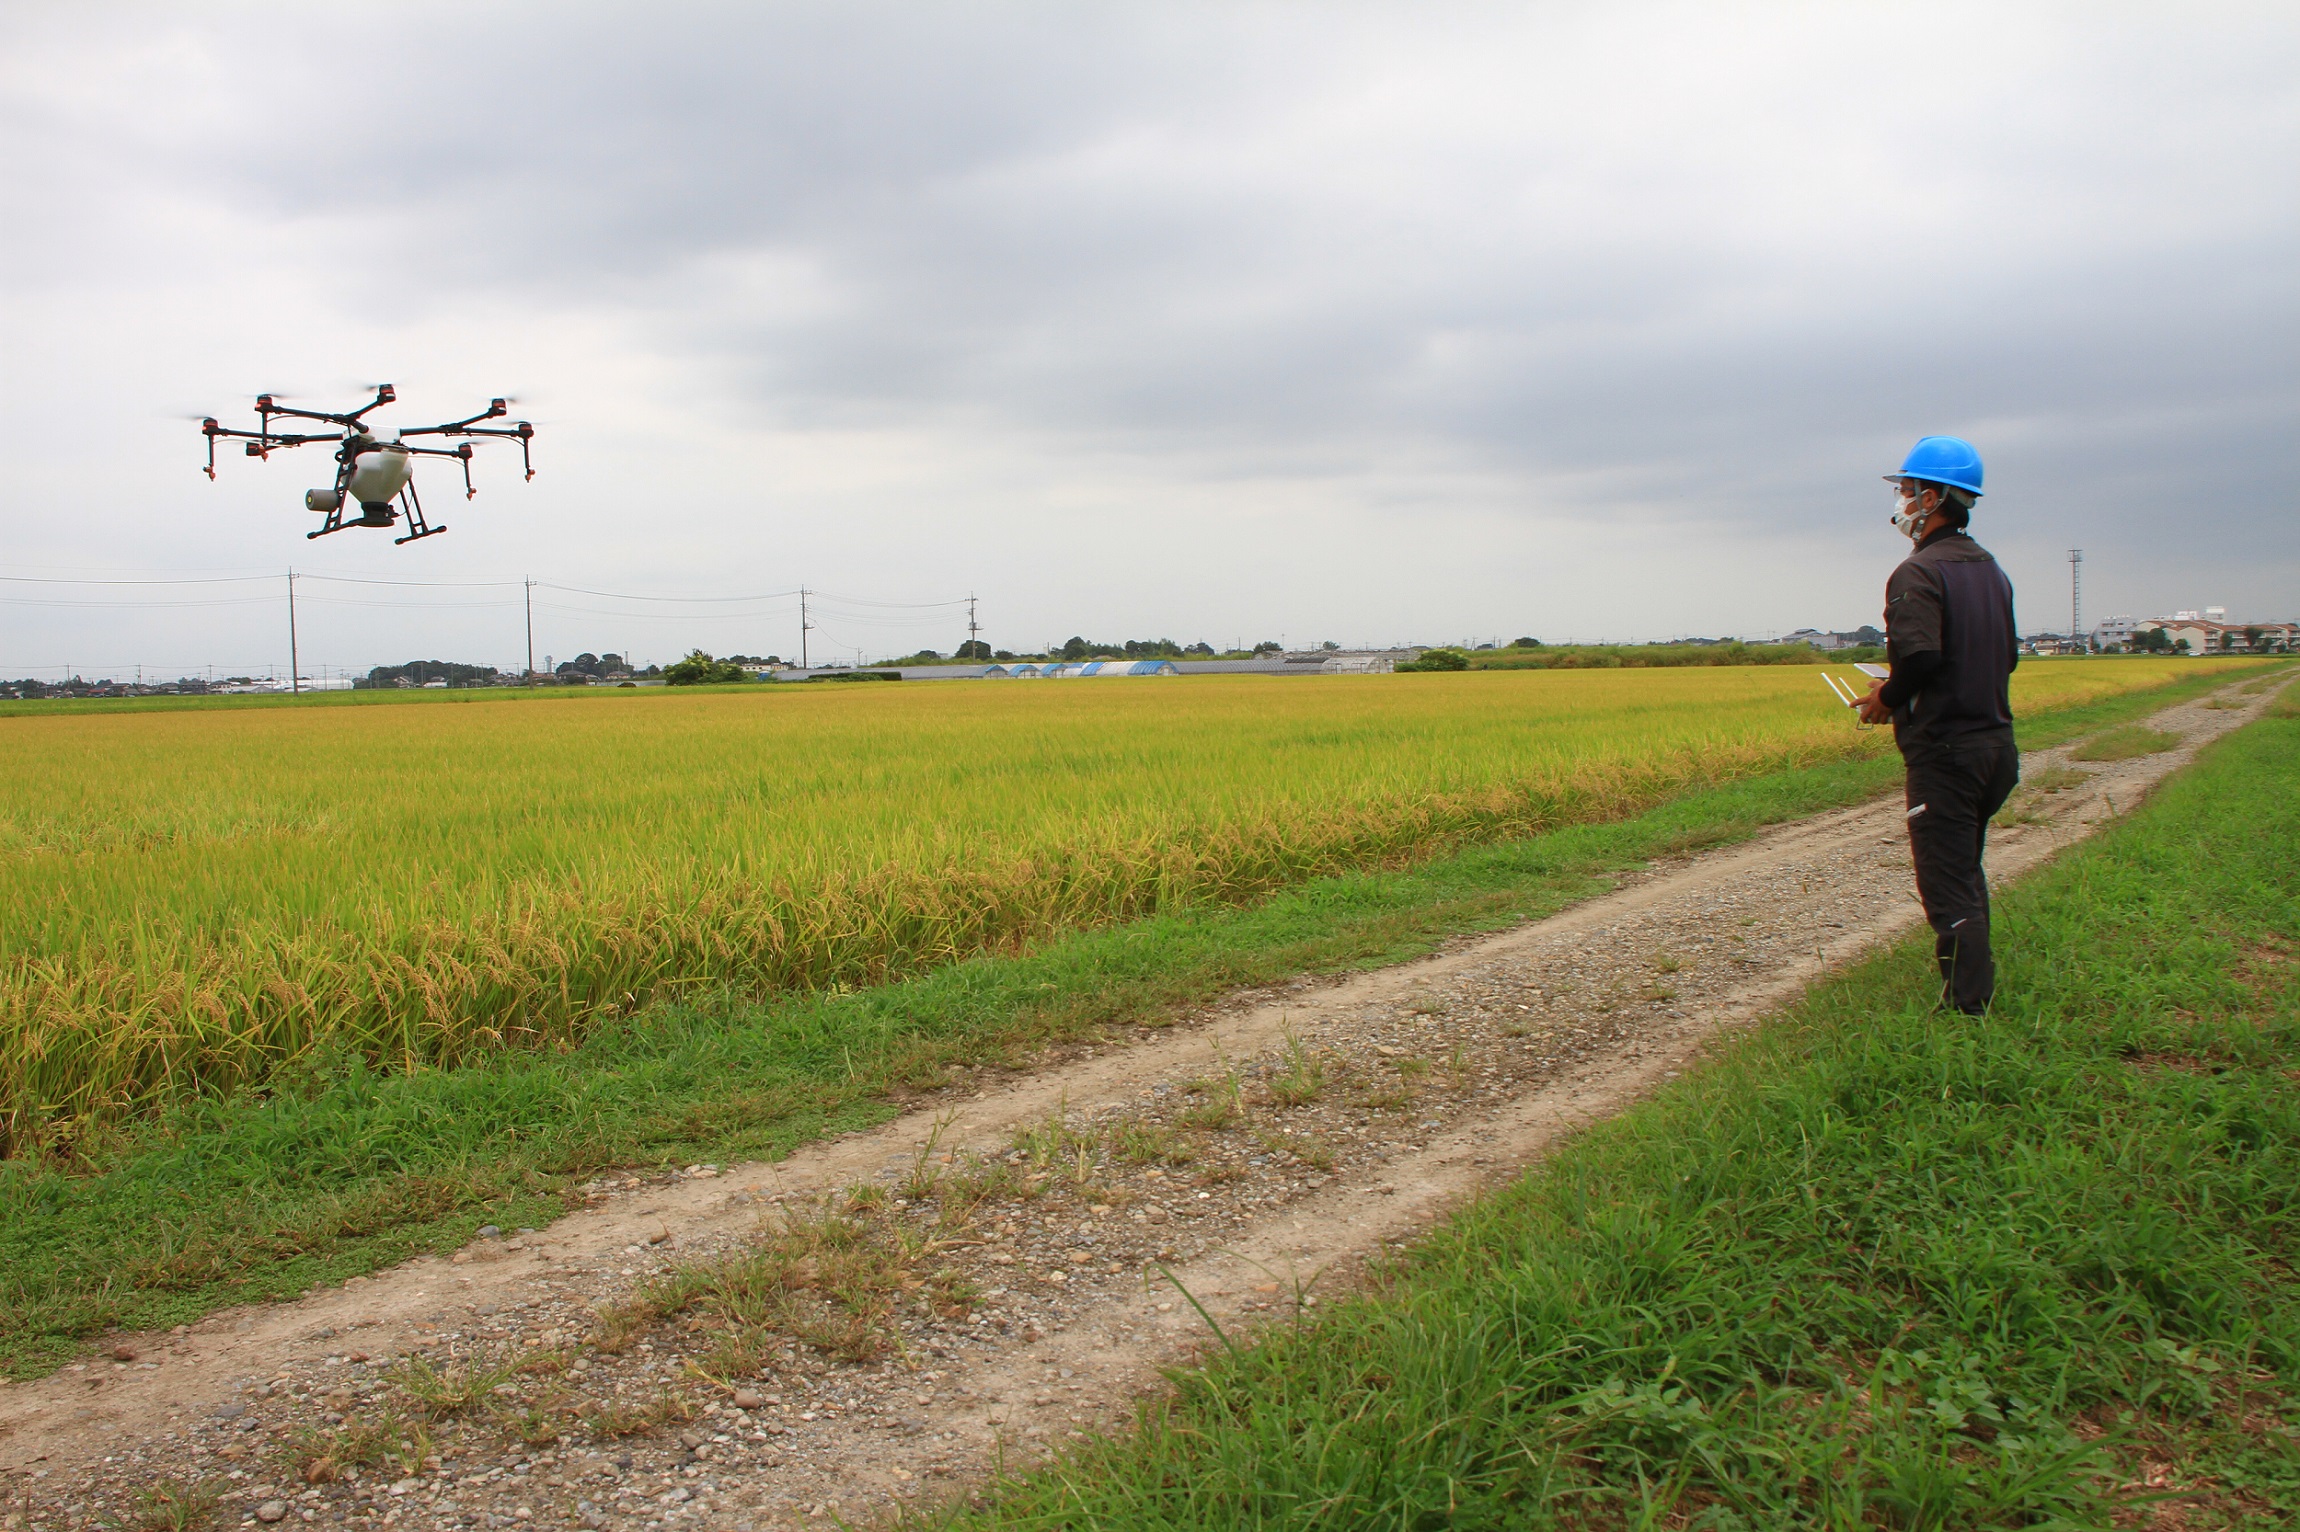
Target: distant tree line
<point>1078,647</point>
<point>1530,654</point>
<point>422,672</point>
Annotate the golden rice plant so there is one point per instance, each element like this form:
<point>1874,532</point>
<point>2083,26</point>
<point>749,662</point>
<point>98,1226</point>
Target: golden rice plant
<point>190,899</point>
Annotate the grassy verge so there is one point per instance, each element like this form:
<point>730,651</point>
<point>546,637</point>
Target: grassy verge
<point>1875,1267</point>
<point>342,1170</point>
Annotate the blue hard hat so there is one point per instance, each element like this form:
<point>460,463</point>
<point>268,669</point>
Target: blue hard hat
<point>1943,460</point>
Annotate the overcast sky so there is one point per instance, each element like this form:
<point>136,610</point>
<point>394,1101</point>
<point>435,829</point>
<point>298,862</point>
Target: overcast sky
<point>1363,323</point>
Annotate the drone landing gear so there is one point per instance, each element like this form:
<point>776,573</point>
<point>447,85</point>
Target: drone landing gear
<point>416,525</point>
<point>380,514</point>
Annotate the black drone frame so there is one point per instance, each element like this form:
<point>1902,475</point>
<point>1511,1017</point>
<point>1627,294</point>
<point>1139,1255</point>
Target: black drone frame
<point>355,441</point>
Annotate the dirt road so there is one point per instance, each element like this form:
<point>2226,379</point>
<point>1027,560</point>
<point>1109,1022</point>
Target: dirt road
<point>1019,1235</point>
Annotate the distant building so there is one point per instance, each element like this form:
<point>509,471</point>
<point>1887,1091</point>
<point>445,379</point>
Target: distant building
<point>1314,662</point>
<point>1863,637</point>
<point>2206,634</point>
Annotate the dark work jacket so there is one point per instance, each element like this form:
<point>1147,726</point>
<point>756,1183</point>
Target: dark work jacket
<point>1949,598</point>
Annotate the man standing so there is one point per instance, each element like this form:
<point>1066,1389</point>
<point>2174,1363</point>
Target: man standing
<point>1950,637</point>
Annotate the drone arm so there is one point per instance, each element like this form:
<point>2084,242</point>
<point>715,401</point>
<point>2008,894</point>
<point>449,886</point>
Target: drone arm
<point>436,451</point>
<point>495,409</point>
<point>384,394</point>
<point>276,439</point>
<point>269,410</point>
<point>259,443</point>
<point>522,433</point>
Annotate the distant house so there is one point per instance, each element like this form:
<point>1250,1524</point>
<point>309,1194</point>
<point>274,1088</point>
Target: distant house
<point>2211,635</point>
<point>1860,638</point>
<point>1108,669</point>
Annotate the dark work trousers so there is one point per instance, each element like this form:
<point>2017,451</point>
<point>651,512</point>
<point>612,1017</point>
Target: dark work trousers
<point>1954,789</point>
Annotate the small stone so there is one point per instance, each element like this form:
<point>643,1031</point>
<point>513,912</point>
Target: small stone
<point>746,1400</point>
<point>272,1510</point>
<point>490,1231</point>
<point>123,1353</point>
<point>230,1411</point>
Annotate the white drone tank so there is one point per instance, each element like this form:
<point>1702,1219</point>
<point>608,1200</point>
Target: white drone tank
<point>380,472</point>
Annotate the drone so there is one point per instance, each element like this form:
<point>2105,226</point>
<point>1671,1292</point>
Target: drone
<point>373,468</point>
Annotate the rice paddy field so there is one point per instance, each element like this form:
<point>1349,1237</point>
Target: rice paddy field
<point>190,898</point>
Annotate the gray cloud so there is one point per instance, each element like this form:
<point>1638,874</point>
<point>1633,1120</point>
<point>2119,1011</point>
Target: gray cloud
<point>1548,319</point>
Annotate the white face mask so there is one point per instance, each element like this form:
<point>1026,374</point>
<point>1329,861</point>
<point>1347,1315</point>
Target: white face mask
<point>1907,515</point>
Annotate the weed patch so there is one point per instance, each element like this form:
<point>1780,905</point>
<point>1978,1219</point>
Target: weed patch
<point>2125,744</point>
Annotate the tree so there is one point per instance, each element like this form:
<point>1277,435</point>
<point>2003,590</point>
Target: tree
<point>699,669</point>
<point>1525,643</point>
<point>974,649</point>
<point>1442,658</point>
<point>1269,646</point>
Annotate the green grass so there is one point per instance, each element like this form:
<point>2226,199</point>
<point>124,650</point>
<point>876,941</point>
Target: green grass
<point>2125,744</point>
<point>1875,1267</point>
<point>342,1169</point>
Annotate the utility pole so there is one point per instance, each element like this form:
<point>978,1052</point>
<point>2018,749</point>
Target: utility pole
<point>531,633</point>
<point>973,629</point>
<point>804,625</point>
<point>2076,595</point>
<point>295,670</point>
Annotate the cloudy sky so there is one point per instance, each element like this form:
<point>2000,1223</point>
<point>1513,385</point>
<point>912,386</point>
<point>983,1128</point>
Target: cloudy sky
<point>1300,321</point>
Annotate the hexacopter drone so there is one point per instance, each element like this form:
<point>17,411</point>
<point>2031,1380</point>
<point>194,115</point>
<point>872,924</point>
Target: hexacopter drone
<point>372,467</point>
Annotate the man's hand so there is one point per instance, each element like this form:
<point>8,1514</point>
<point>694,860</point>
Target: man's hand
<point>1872,707</point>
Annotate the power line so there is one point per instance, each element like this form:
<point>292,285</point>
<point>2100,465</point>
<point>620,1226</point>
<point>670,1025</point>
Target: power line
<point>62,580</point>
<point>613,595</point>
<point>139,606</point>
